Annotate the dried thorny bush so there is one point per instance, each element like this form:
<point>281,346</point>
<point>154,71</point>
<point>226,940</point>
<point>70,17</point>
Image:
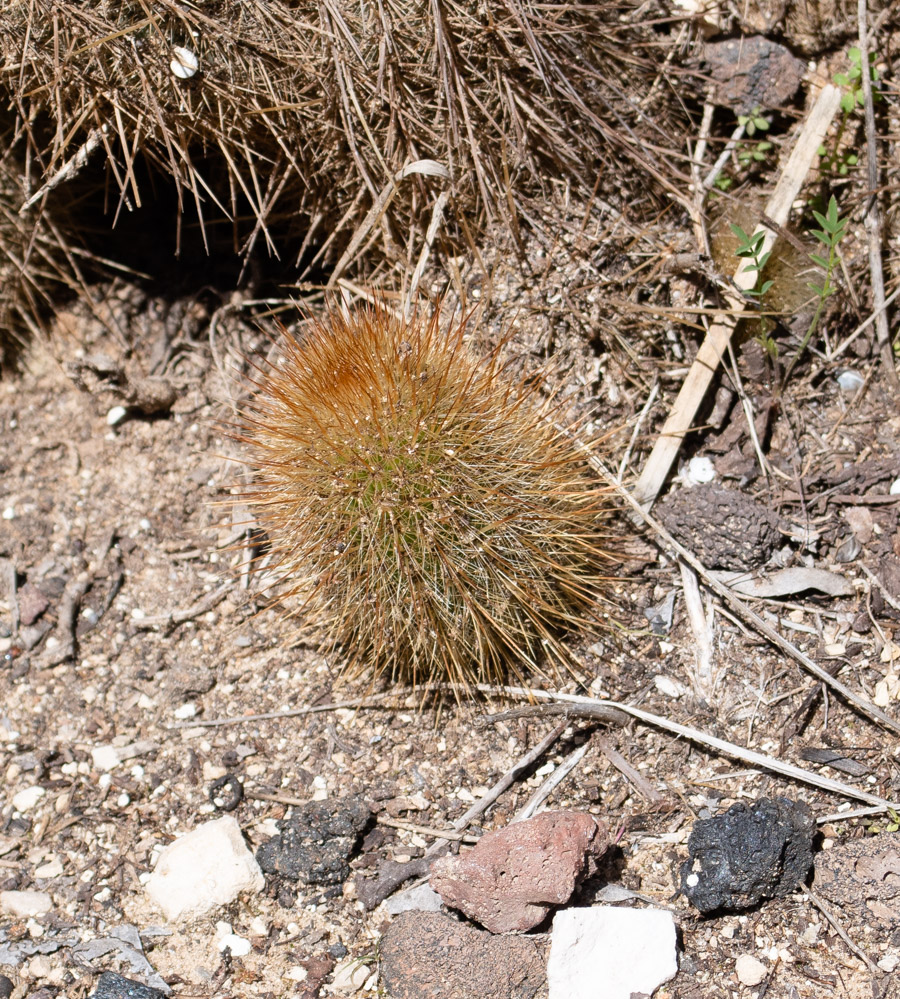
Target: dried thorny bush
<point>426,512</point>
<point>307,110</point>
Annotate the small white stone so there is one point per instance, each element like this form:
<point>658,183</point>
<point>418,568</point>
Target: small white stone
<point>698,471</point>
<point>25,904</point>
<point>895,488</point>
<point>115,416</point>
<point>889,963</point>
<point>296,974</point>
<point>184,63</point>
<point>203,870</point>
<point>850,381</point>
<point>350,976</point>
<point>239,946</point>
<point>749,970</point>
<point>628,950</point>
<point>25,800</point>
<point>9,513</point>
<point>186,711</point>
<point>105,757</point>
<point>124,800</point>
<point>53,868</point>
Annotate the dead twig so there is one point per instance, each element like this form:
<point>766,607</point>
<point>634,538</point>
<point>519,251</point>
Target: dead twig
<point>717,339</point>
<point>888,599</point>
<point>551,783</point>
<point>576,706</point>
<point>839,929</point>
<point>643,786</point>
<point>373,892</point>
<point>872,218</point>
<point>168,621</point>
<point>738,605</point>
<point>448,834</point>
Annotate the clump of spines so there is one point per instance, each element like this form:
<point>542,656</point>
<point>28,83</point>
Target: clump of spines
<point>422,508</point>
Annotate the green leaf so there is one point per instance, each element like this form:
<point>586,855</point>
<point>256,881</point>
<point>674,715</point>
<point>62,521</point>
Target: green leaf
<point>854,54</point>
<point>831,213</point>
<point>766,285</point>
<point>821,261</point>
<point>848,102</point>
<point>841,79</point>
<point>763,260</point>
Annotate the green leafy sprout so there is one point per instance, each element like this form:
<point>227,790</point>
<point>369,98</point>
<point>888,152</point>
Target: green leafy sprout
<point>852,98</point>
<point>750,248</point>
<point>832,231</point>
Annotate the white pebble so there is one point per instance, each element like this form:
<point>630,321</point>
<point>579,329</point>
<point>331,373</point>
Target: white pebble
<point>750,972</point>
<point>186,711</point>
<point>25,800</point>
<point>9,513</point>
<point>115,416</point>
<point>895,488</point>
<point>850,381</point>
<point>698,471</point>
<point>184,63</point>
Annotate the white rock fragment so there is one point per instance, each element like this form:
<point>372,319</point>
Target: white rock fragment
<point>25,904</point>
<point>698,471</point>
<point>349,976</point>
<point>184,63</point>
<point>749,970</point>
<point>895,488</point>
<point>850,381</point>
<point>203,870</point>
<point>227,938</point>
<point>25,800</point>
<point>116,415</point>
<point>105,757</point>
<point>421,898</point>
<point>628,950</point>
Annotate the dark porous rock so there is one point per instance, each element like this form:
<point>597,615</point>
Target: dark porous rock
<point>751,853</point>
<point>753,72</point>
<point>315,843</point>
<point>724,528</point>
<point>427,955</point>
<point>113,986</point>
<point>6,987</point>
<point>863,878</point>
<point>511,878</point>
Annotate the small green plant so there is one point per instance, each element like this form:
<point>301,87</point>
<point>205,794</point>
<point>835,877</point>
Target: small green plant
<point>892,826</point>
<point>838,160</point>
<point>754,122</point>
<point>750,248</point>
<point>754,154</point>
<point>851,81</point>
<point>832,231</point>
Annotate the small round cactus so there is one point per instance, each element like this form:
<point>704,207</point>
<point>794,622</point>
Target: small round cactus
<point>425,512</point>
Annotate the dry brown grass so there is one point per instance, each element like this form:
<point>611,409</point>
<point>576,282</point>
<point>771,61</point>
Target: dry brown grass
<point>311,108</point>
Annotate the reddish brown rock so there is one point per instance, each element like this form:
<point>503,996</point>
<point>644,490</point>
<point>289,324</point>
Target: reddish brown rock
<point>511,878</point>
<point>427,955</point>
<point>32,603</point>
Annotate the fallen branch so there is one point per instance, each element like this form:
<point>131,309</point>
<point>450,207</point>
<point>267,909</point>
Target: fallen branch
<point>576,706</point>
<point>717,339</point>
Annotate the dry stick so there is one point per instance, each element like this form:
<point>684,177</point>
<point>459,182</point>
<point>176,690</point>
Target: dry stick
<point>716,341</point>
<point>841,932</point>
<point>551,783</point>
<point>576,706</point>
<point>873,211</point>
<point>884,591</point>
<point>428,168</point>
<point>738,605</point>
<point>628,771</point>
<point>173,618</point>
<point>372,893</point>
